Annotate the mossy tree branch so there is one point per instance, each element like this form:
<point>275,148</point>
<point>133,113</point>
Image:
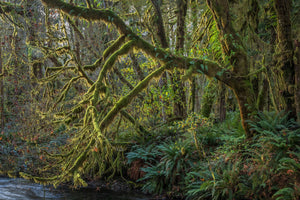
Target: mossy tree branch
<point>125,100</point>
<point>91,14</point>
<point>210,68</point>
<point>124,81</point>
<point>233,48</point>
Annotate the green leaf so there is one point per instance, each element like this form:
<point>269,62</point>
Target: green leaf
<point>199,71</point>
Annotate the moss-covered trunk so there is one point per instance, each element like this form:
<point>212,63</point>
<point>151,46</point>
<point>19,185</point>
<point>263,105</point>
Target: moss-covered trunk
<point>180,108</point>
<point>297,79</point>
<point>234,49</point>
<point>285,55</point>
<point>247,103</point>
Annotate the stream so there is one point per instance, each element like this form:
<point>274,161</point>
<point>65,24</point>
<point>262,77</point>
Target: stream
<point>20,189</point>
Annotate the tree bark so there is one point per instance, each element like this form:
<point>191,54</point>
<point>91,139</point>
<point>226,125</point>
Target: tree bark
<point>297,79</point>
<point>161,33</point>
<point>1,91</point>
<point>193,95</point>
<point>179,107</point>
<point>285,55</point>
<point>247,104</point>
<point>233,49</point>
<point>36,66</point>
<point>222,102</point>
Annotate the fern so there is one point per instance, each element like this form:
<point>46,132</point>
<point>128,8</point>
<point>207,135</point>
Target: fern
<point>147,154</point>
<point>285,194</point>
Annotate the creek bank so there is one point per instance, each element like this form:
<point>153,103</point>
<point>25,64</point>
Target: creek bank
<point>118,186</point>
<point>21,189</point>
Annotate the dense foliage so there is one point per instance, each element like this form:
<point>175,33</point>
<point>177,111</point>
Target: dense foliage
<point>187,99</point>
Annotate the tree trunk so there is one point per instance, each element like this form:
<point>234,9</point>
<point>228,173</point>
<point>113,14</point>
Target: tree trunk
<point>247,103</point>
<point>222,102</point>
<point>285,55</point>
<point>2,122</point>
<point>193,95</point>
<point>36,67</point>
<point>263,95</point>
<point>297,79</point>
<point>163,42</point>
<point>180,109</point>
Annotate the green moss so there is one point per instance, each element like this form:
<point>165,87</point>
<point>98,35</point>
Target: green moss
<point>104,15</point>
<point>115,46</point>
<point>62,50</point>
<point>124,101</point>
<point>112,59</point>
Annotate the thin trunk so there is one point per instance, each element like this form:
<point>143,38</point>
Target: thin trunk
<point>161,34</point>
<point>262,98</point>
<point>178,86</point>
<point>77,44</point>
<point>193,90</point>
<point>222,102</point>
<point>1,91</point>
<point>193,95</point>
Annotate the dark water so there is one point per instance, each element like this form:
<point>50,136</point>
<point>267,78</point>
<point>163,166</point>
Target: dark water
<point>20,189</point>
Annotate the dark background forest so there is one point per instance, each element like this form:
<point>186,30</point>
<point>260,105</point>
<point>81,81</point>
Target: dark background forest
<point>189,99</point>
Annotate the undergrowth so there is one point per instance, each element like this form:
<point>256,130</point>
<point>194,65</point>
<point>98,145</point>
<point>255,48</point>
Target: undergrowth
<point>193,159</point>
<point>216,161</point>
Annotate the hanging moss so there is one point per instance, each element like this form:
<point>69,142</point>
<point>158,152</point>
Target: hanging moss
<point>89,14</point>
<point>212,69</point>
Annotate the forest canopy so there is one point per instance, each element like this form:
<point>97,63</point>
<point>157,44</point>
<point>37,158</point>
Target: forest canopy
<point>94,69</point>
